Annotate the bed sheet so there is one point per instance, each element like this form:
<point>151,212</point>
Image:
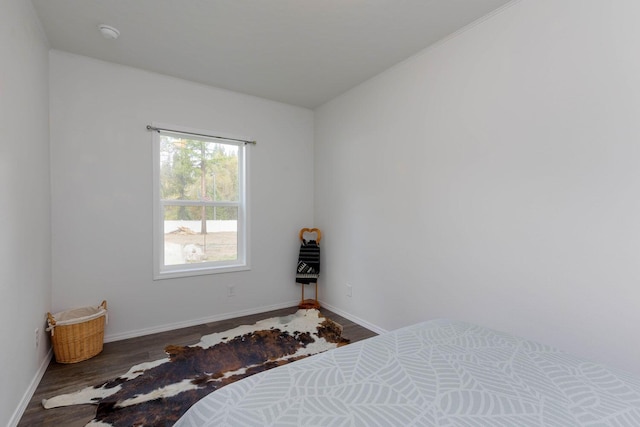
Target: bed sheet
<point>436,373</point>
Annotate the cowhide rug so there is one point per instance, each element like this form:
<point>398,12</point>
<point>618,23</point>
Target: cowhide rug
<point>158,393</point>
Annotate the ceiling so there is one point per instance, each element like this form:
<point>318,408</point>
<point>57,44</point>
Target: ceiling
<point>301,52</point>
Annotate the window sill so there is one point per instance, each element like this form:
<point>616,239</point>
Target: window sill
<point>189,272</point>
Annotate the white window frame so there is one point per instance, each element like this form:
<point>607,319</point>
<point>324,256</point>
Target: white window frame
<point>162,271</point>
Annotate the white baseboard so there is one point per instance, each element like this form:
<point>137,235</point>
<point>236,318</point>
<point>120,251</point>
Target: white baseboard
<point>26,398</point>
<point>354,319</point>
<point>226,316</point>
<point>195,322</point>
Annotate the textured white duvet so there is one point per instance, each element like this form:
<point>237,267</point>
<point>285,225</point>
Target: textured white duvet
<point>437,373</point>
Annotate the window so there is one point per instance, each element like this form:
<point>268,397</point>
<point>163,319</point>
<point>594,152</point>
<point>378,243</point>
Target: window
<point>200,204</point>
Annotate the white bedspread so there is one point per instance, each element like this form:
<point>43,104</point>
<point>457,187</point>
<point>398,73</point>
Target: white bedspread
<point>437,373</point>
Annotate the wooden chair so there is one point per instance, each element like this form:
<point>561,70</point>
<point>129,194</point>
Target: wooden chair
<point>309,265</point>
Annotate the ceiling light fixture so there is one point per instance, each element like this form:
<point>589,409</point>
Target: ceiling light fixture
<point>108,32</point>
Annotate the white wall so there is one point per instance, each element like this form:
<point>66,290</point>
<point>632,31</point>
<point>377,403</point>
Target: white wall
<point>25,242</point>
<point>495,178</point>
<point>102,194</point>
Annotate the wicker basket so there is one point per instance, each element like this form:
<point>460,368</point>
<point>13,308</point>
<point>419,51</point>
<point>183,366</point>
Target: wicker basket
<point>77,334</point>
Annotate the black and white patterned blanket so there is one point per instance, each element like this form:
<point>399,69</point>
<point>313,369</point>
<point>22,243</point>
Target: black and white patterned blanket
<point>308,262</point>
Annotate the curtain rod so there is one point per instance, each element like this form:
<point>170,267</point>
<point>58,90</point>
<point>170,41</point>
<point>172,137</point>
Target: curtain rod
<point>149,127</point>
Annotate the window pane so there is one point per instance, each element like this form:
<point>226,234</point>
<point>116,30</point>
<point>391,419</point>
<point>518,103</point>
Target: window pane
<point>194,234</point>
<point>199,211</point>
<point>198,170</point>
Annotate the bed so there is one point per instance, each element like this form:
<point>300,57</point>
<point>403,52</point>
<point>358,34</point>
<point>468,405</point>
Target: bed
<point>436,373</point>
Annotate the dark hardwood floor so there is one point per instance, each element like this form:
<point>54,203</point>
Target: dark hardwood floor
<point>117,357</point>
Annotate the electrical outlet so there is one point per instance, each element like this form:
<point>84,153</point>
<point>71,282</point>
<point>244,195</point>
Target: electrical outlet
<point>37,337</point>
<point>231,290</point>
<point>349,290</point>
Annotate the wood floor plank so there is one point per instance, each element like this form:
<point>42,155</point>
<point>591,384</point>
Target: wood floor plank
<point>117,357</point>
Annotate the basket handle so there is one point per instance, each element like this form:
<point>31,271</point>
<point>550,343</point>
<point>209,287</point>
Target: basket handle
<point>52,323</point>
<point>51,320</point>
<point>106,314</point>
